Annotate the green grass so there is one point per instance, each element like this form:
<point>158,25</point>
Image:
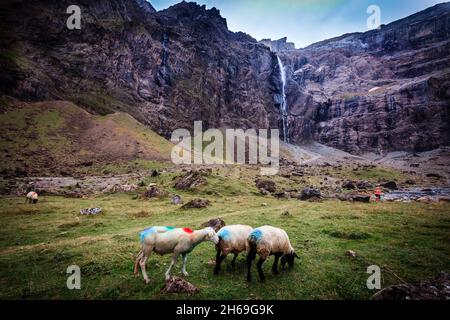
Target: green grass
<point>38,242</point>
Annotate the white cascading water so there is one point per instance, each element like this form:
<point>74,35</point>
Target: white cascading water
<point>284,113</point>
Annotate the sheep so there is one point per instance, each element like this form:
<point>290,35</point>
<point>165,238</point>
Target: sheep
<point>266,241</point>
<point>164,240</point>
<point>232,239</point>
<point>32,197</point>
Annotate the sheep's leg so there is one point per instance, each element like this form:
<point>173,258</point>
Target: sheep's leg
<point>136,263</point>
<point>233,262</point>
<point>219,260</point>
<point>145,253</point>
<point>183,269</point>
<point>174,260</point>
<point>259,266</point>
<point>250,257</point>
<point>275,264</point>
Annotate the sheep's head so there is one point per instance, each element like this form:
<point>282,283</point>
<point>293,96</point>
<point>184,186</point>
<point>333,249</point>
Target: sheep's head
<point>289,259</point>
<point>211,235</point>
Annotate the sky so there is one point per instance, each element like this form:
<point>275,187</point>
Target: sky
<point>304,21</point>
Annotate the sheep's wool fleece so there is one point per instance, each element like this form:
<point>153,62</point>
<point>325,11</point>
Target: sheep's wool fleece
<point>275,239</point>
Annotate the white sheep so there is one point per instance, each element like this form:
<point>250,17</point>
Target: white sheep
<point>232,239</point>
<point>266,241</point>
<point>32,197</point>
<point>164,240</point>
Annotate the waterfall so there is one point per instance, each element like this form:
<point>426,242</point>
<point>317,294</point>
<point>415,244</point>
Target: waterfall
<point>283,108</point>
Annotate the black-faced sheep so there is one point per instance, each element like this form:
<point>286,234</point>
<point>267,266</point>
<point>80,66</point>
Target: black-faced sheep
<point>232,239</point>
<point>266,241</point>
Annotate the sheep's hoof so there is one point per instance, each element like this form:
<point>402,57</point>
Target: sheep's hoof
<point>147,281</point>
<point>167,277</point>
<point>185,274</point>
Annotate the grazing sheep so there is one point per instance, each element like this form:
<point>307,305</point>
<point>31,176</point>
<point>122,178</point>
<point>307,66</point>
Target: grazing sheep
<point>232,239</point>
<point>266,241</point>
<point>32,197</point>
<point>163,240</point>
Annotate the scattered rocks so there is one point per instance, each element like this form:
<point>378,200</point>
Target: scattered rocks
<point>286,214</point>
<point>309,193</point>
<point>179,285</point>
<point>410,182</point>
<point>435,289</point>
<point>196,204</point>
<point>281,195</point>
<point>190,181</point>
<point>216,224</point>
<point>364,185</point>
<point>176,199</point>
<point>90,211</point>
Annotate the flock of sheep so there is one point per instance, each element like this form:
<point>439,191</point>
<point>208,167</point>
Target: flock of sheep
<point>264,241</point>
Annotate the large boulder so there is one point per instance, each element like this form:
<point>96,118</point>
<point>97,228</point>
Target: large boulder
<point>267,185</point>
<point>190,181</point>
<point>349,185</point>
<point>310,193</point>
<point>355,196</point>
<point>392,185</point>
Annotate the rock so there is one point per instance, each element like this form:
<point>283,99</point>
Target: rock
<point>90,211</point>
<point>349,185</point>
<point>190,181</point>
<point>196,203</point>
<point>435,289</point>
<point>216,224</point>
<point>350,253</point>
<point>179,285</point>
<point>392,185</point>
<point>267,185</point>
<point>434,175</point>
<point>281,195</point>
<point>414,165</point>
<point>444,199</point>
<point>176,199</point>
<point>155,173</point>
<point>410,182</point>
<point>364,185</point>
<point>355,196</point>
<point>155,192</point>
<point>309,193</point>
<point>264,204</point>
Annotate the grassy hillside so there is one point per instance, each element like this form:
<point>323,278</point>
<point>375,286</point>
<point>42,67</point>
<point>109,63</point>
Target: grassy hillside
<point>409,241</point>
<point>59,138</point>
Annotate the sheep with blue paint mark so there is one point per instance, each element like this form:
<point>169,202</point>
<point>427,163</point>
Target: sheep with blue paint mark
<point>266,241</point>
<point>232,239</point>
<point>164,240</point>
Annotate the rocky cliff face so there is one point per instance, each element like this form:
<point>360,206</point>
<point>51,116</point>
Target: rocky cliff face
<point>381,90</point>
<point>166,68</point>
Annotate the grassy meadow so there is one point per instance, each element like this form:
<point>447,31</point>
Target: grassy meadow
<point>409,241</point>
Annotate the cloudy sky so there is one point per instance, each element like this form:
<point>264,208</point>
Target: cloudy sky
<point>304,21</point>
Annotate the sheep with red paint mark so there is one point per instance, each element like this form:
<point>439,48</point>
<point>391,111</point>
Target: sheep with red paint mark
<point>266,241</point>
<point>164,240</point>
<point>232,239</point>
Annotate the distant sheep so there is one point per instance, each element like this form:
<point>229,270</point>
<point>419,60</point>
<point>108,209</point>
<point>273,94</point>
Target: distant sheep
<point>32,197</point>
<point>266,241</point>
<point>232,239</point>
<point>164,240</point>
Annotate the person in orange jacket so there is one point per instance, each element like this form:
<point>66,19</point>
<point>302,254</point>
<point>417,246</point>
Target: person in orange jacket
<point>377,193</point>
